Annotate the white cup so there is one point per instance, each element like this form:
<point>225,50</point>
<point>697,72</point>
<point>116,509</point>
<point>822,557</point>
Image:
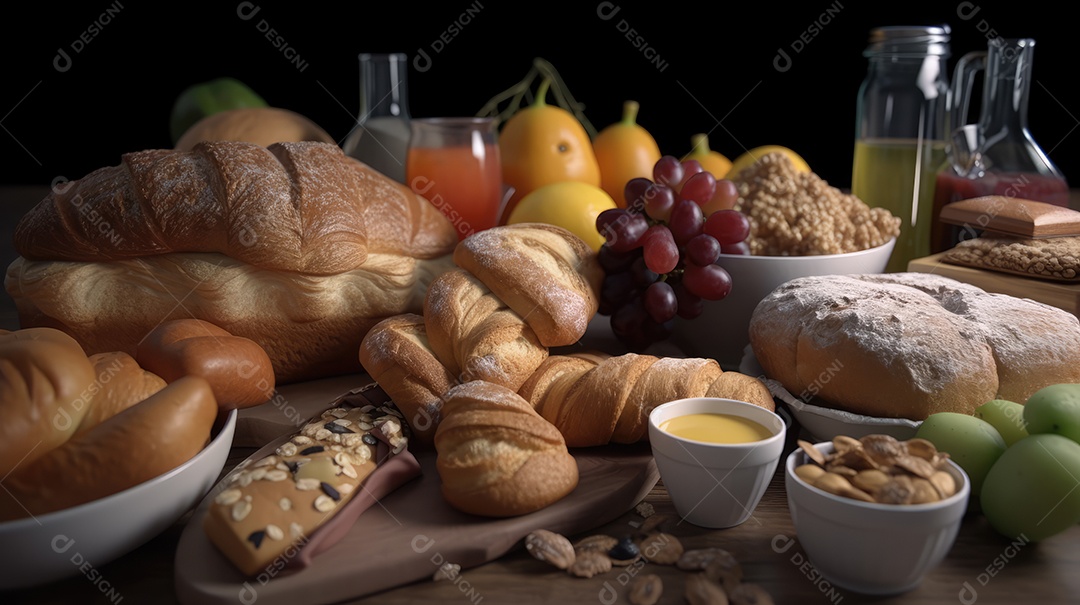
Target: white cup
<point>715,485</point>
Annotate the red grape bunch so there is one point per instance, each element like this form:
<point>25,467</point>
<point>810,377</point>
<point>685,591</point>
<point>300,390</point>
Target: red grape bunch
<point>660,252</point>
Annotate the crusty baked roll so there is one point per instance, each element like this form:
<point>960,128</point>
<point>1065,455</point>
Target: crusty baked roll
<point>547,275</point>
<point>496,456</point>
<point>239,371</point>
<point>119,383</point>
<point>397,355</point>
<point>303,207</point>
<point>910,344</point>
<point>136,445</point>
<point>45,390</point>
<point>475,335</point>
<point>310,326</point>
<point>608,399</point>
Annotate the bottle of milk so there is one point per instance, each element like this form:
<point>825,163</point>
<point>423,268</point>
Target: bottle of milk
<point>380,137</point>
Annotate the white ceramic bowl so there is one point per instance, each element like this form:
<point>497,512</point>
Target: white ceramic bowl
<point>825,423</point>
<point>715,485</point>
<point>871,548</point>
<point>722,331</point>
<point>79,540</point>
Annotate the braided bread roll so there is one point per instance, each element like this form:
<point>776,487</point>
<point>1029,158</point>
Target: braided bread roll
<point>396,354</point>
<point>594,400</point>
<point>496,456</point>
<point>547,275</point>
<point>475,335</point>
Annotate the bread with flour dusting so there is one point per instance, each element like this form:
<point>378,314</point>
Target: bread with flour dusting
<point>295,246</point>
<point>552,281</point>
<point>907,345</point>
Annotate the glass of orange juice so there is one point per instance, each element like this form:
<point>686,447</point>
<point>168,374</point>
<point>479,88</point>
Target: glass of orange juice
<point>454,163</point>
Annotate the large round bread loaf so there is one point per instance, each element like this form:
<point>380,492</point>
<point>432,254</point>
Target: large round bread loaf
<point>907,345</point>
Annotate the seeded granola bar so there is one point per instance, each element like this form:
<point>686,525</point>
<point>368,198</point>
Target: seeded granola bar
<point>272,504</point>
<point>1056,258</point>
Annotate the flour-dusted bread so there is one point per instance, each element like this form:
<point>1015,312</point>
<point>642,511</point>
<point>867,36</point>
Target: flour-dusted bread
<point>907,345</point>
<point>295,246</point>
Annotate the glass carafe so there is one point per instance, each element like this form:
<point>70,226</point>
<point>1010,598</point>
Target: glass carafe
<point>380,137</point>
<point>901,113</point>
<point>997,155</point>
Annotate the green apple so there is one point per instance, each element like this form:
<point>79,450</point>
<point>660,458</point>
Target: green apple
<point>1031,491</point>
<point>1054,409</point>
<point>1006,416</point>
<point>971,442</point>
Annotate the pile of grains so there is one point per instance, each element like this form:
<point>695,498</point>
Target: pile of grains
<point>795,213</point>
<point>1055,258</point>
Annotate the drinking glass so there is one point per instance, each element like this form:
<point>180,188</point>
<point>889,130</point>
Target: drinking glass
<point>454,163</point>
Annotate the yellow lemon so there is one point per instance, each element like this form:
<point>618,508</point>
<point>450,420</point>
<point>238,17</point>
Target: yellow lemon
<point>572,205</point>
<point>747,159</point>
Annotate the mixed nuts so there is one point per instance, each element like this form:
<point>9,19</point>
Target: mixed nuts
<point>714,575</point>
<point>879,468</point>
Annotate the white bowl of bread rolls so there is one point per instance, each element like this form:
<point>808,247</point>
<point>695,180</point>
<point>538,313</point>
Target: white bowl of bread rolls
<point>100,453</point>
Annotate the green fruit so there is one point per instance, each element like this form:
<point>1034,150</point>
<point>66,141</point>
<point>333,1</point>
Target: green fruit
<point>1006,416</point>
<point>200,100</point>
<point>1031,492</point>
<point>1054,409</point>
<point>971,442</point>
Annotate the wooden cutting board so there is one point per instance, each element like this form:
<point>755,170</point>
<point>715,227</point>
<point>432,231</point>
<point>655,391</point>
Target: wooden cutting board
<point>407,535</point>
<point>1054,293</point>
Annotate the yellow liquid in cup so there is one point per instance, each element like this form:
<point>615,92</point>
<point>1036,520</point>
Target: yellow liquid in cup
<point>716,428</point>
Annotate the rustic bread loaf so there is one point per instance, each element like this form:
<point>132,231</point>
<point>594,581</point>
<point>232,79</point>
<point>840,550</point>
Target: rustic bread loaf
<point>295,246</point>
<point>907,345</point>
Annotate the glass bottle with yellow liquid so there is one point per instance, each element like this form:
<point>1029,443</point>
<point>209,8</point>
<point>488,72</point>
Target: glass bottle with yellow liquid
<point>901,122</point>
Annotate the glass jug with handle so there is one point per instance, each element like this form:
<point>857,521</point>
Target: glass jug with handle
<point>997,155</point>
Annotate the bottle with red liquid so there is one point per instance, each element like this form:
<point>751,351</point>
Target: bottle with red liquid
<point>996,156</point>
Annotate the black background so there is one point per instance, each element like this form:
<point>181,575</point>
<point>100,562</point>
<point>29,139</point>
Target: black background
<point>719,76</point>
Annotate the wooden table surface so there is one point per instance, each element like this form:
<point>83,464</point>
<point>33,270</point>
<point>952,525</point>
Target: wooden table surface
<point>981,567</point>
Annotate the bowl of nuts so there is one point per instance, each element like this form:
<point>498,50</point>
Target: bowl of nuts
<point>875,514</point>
<point>799,226</point>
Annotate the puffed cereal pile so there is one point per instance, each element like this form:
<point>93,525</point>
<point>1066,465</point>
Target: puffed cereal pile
<point>795,213</point>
